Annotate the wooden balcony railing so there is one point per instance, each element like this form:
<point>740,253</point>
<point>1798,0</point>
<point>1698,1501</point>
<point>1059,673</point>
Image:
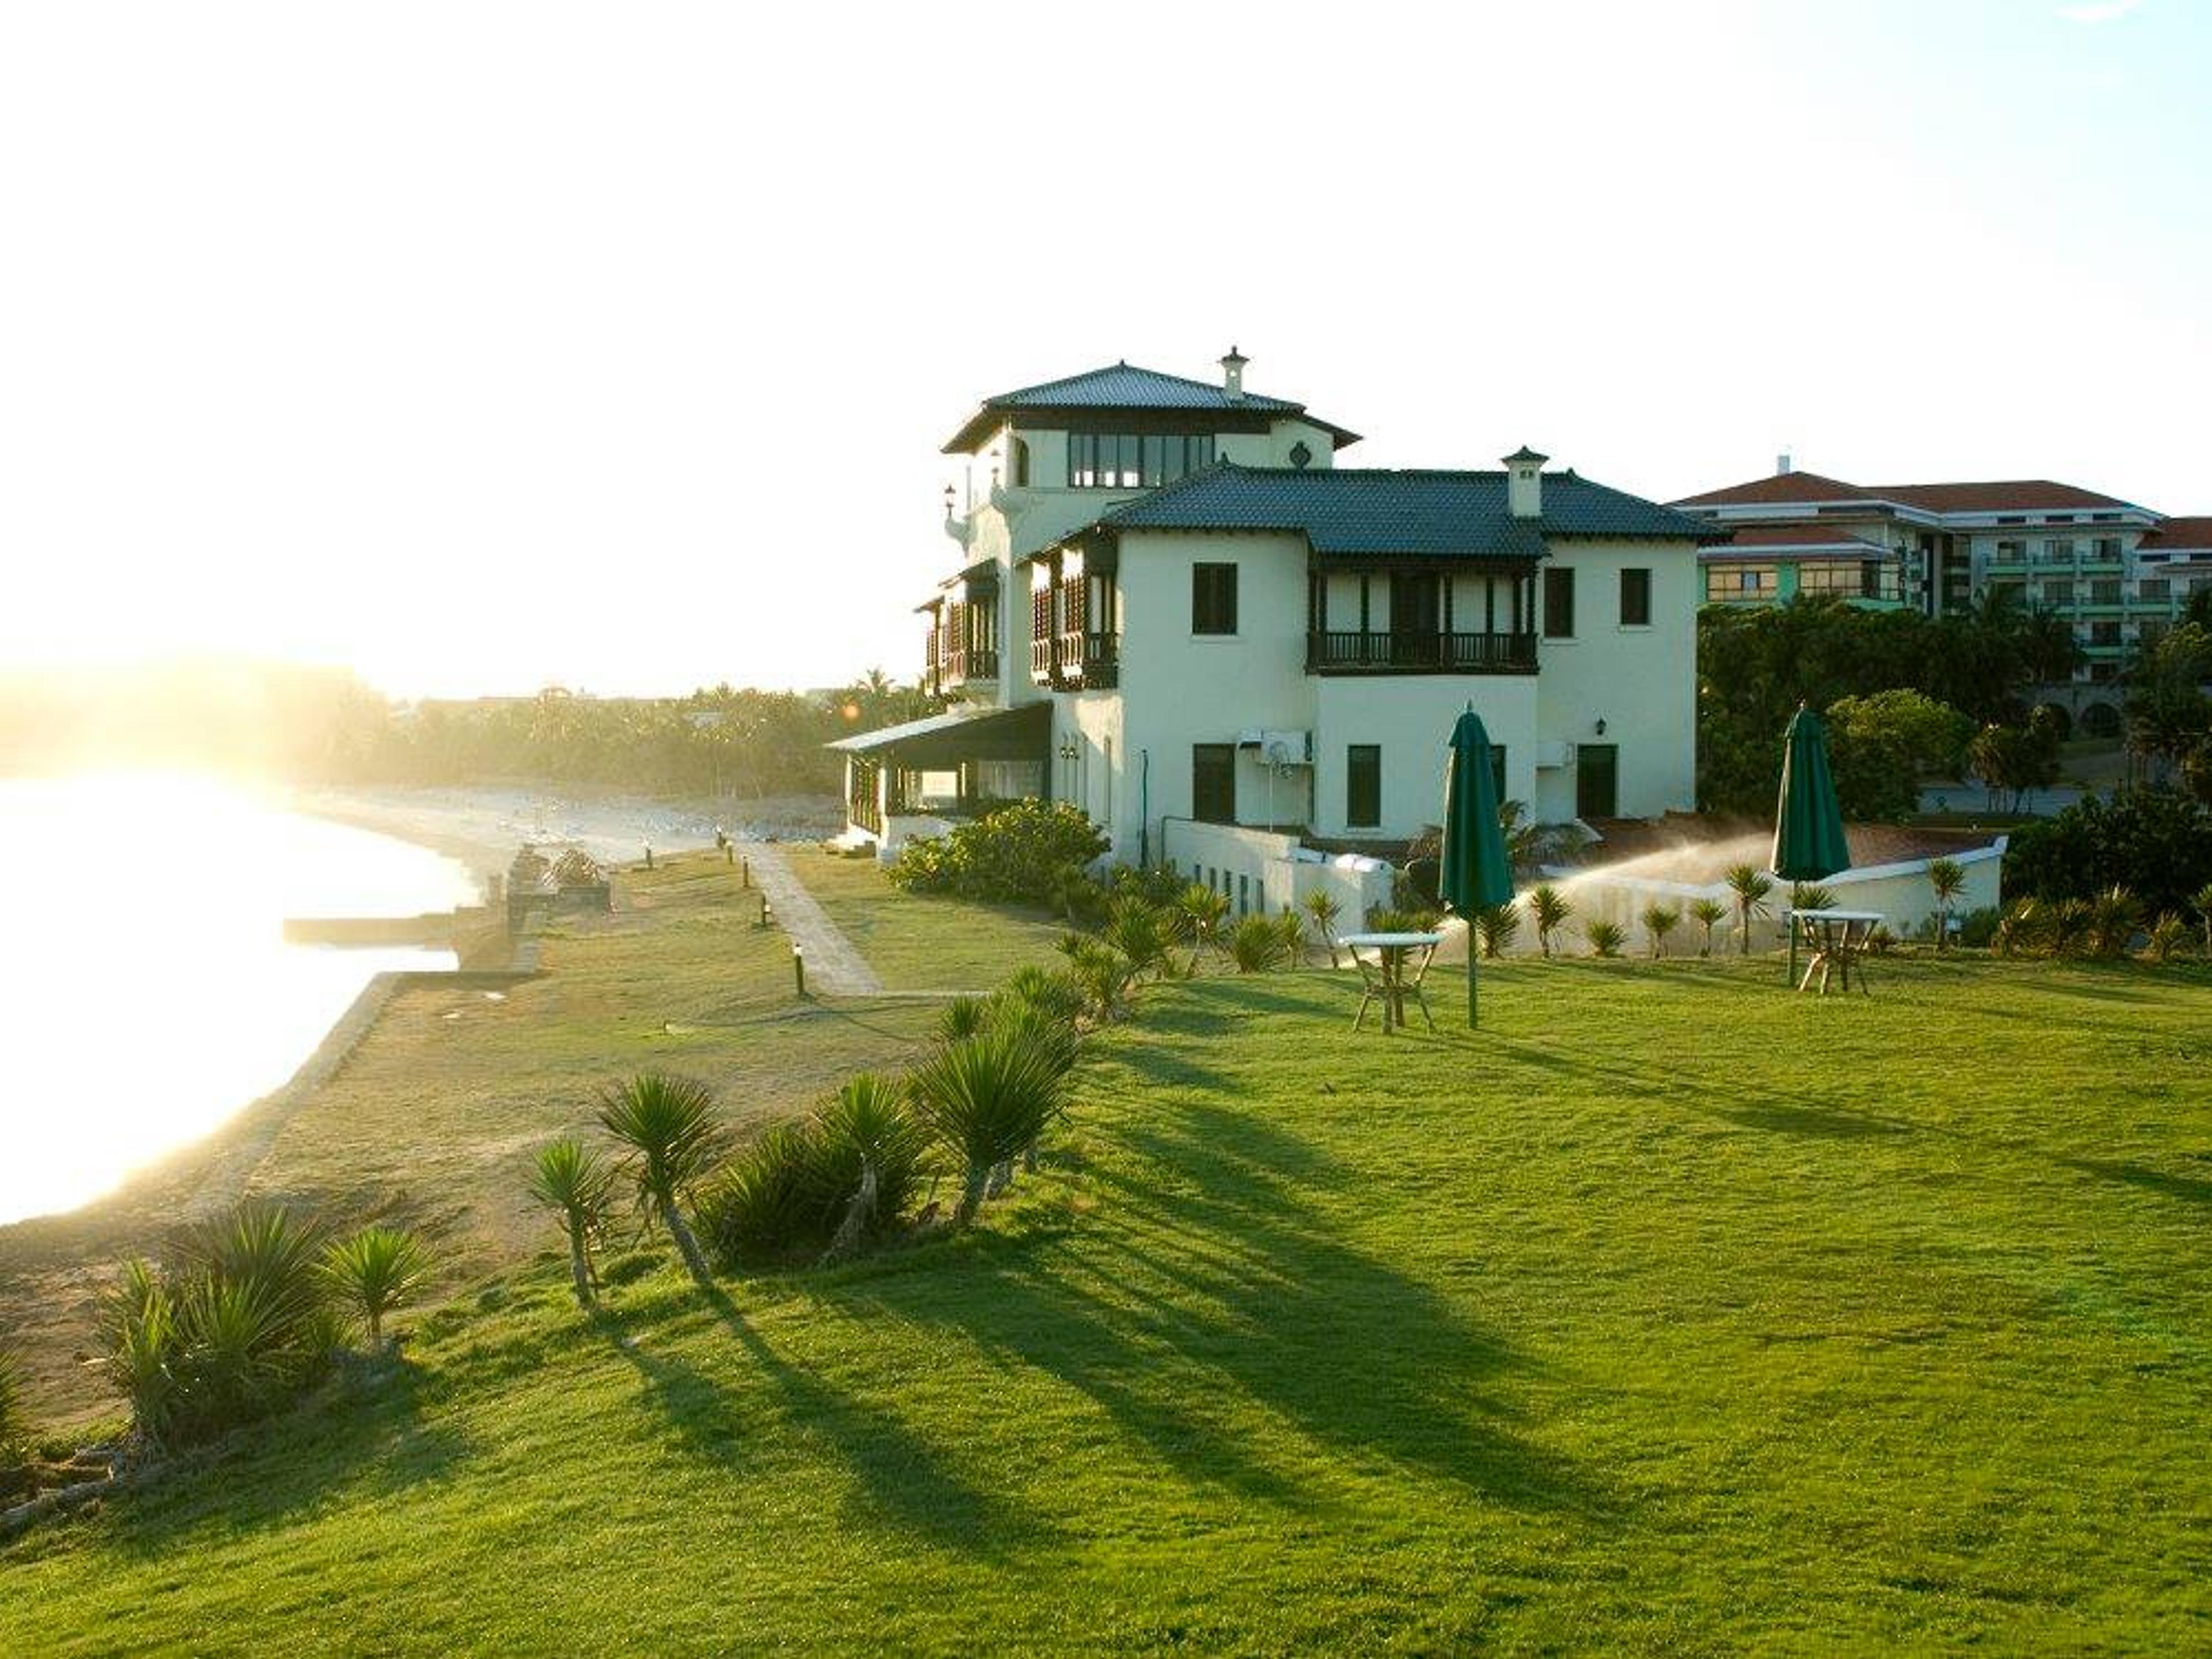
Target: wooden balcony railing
<point>1330,652</point>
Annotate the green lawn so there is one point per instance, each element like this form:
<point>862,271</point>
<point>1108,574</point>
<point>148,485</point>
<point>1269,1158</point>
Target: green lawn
<point>1674,1313</point>
<point>916,941</point>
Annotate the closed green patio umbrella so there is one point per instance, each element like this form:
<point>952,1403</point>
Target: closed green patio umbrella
<point>1476,873</point>
<point>1808,820</point>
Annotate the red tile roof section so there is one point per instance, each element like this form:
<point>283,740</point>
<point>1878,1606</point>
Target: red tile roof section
<point>1782,488</point>
<point>1997,496</point>
<point>2180,535</point>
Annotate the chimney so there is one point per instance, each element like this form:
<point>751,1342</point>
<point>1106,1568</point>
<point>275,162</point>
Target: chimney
<point>1524,483</point>
<point>1782,463</point>
<point>1232,375</point>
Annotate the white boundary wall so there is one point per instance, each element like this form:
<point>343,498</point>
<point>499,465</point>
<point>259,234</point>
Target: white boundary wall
<point>1262,871</point>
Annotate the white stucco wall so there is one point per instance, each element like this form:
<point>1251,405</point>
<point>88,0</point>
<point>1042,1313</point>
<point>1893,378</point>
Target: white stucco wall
<point>1411,717</point>
<point>1641,682</point>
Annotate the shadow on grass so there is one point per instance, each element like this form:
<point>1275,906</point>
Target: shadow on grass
<point>367,1437</point>
<point>1796,1118</point>
<point>2189,1190</point>
<point>900,1479</point>
<point>1227,1303</point>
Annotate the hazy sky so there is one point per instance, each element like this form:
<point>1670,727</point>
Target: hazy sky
<point>483,346</point>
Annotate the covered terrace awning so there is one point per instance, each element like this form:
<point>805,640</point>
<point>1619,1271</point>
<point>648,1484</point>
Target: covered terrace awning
<point>942,742</point>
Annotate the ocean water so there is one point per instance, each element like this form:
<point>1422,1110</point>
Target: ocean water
<point>147,993</point>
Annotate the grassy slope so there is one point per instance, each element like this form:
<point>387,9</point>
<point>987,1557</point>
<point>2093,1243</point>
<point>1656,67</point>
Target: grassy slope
<point>1673,1313</point>
<point>437,1115</point>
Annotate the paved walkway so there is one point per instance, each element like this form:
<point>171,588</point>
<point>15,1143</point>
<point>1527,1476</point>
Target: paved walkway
<point>834,967</point>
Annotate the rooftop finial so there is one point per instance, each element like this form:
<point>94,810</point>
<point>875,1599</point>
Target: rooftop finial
<point>1232,374</point>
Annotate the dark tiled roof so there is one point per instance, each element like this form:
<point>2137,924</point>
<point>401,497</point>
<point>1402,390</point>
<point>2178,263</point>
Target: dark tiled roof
<point>1997,495</point>
<point>1122,386</point>
<point>1348,511</point>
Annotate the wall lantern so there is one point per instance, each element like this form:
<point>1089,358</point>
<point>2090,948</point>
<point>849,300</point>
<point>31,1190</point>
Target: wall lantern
<point>1601,728</point>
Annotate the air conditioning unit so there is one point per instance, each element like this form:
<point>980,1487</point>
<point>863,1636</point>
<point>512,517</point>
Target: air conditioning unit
<point>1552,753</point>
<point>1279,748</point>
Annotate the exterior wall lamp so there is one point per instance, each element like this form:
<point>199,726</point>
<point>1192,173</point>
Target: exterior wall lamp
<point>1601,728</point>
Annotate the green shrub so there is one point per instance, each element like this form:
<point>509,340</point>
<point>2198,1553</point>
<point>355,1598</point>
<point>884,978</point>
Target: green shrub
<point>2114,917</point>
<point>569,1180</point>
<point>374,1272</point>
<point>1142,932</point>
<point>2157,843</point>
<point>1020,855</point>
<point>1605,938</point>
<point>1549,909</point>
<point>961,1017</point>
<point>1057,994</point>
<point>1806,895</point>
<point>1257,944</point>
<point>1199,914</point>
<point>870,1147</point>
<point>15,1425</point>
<point>1102,973</point>
<point>2164,937</point>
<point>769,1200</point>
<point>1659,920</point>
<point>238,1326</point>
<point>1708,913</point>
<point>1978,929</point>
<point>987,1099</point>
<point>1497,926</point>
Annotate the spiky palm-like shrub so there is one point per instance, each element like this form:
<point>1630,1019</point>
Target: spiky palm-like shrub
<point>240,1323</point>
<point>671,1138</point>
<point>2164,937</point>
<point>1549,909</point>
<point>1605,938</point>
<point>1750,886</point>
<point>1199,914</point>
<point>987,1100</point>
<point>2069,927</point>
<point>1806,896</point>
<point>1323,907</point>
<point>374,1272</point>
<point>1497,925</point>
<point>767,1200</point>
<point>1708,913</point>
<point>1057,994</point>
<point>2114,915</point>
<point>1659,920</point>
<point>2020,929</point>
<point>870,1148</point>
<point>2201,900</point>
<point>569,1180</point>
<point>961,1017</point>
<point>1143,932</point>
<point>1947,879</point>
<point>1104,975</point>
<point>1258,945</point>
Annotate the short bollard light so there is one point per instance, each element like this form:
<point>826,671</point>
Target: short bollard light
<point>767,915</point>
<point>799,969</point>
<point>745,868</point>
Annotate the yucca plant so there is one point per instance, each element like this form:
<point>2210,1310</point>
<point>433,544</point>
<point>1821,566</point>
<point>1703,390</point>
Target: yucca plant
<point>1257,946</point>
<point>871,1147</point>
<point>1199,913</point>
<point>270,1252</point>
<point>142,1348</point>
<point>374,1272</point>
<point>1104,975</point>
<point>1947,879</point>
<point>2068,928</point>
<point>1808,896</point>
<point>1750,886</point>
<point>2164,937</point>
<point>987,1098</point>
<point>1659,920</point>
<point>1055,993</point>
<point>1708,913</point>
<point>2114,917</point>
<point>667,1125</point>
<point>961,1017</point>
<point>1549,909</point>
<point>1605,938</point>
<point>2019,928</point>
<point>1497,925</point>
<point>1056,1034</point>
<point>1142,933</point>
<point>2200,902</point>
<point>1323,907</point>
<point>768,1199</point>
<point>569,1180</point>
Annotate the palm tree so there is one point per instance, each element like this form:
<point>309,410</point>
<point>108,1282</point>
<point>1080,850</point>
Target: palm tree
<point>1751,885</point>
<point>668,1125</point>
<point>570,1181</point>
<point>376,1270</point>
<point>1605,937</point>
<point>1200,912</point>
<point>1497,924</point>
<point>1550,910</point>
<point>1659,920</point>
<point>1947,879</point>
<point>1708,913</point>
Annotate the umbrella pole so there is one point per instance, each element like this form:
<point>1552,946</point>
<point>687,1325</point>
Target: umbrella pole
<point>1470,976</point>
<point>1790,925</point>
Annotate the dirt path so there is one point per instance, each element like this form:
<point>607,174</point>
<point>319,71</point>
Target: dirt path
<point>834,965</point>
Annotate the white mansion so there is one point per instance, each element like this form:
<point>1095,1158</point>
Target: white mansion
<point>1173,608</point>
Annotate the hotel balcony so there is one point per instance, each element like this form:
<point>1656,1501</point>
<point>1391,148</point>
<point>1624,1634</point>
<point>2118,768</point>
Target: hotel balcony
<point>1329,652</point>
<point>1076,660</point>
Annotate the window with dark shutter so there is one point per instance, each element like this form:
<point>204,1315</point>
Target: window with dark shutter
<point>1213,598</point>
<point>1635,599</point>
<point>1558,603</point>
<point>1213,783</point>
<point>1363,785</point>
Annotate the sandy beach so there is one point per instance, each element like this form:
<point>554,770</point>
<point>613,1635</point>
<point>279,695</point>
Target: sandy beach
<point>483,827</point>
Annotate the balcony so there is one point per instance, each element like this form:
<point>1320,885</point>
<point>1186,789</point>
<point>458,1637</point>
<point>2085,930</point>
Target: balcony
<point>1076,659</point>
<point>1328,652</point>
